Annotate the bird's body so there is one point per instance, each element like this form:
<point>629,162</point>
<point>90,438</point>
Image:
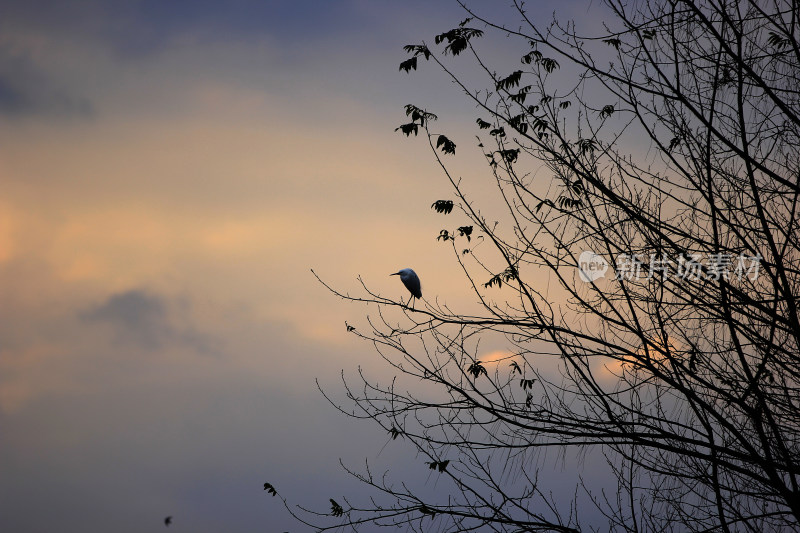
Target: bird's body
<point>168,521</point>
<point>411,281</point>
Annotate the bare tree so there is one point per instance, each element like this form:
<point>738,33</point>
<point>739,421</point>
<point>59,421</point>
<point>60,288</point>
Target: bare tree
<point>651,170</point>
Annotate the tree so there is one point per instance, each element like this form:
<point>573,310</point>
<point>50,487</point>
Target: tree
<point>665,145</point>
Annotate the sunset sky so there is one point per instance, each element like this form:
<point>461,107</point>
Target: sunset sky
<point>170,173</point>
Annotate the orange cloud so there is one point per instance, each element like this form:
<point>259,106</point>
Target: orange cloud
<point>655,350</point>
<point>498,356</point>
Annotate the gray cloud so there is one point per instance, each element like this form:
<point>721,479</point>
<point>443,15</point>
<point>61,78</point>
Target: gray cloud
<point>147,320</point>
<point>139,28</point>
<point>12,101</point>
<point>137,316</point>
<point>17,101</point>
<point>25,90</point>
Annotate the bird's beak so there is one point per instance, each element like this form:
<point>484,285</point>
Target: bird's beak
<point>395,274</point>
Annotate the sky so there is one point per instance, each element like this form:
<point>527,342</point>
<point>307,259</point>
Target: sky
<point>170,173</point>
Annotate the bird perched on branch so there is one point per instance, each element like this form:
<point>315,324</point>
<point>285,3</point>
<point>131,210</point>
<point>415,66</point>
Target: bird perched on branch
<point>411,281</point>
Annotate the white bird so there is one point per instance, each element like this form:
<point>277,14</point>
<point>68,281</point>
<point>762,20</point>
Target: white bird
<point>411,281</point>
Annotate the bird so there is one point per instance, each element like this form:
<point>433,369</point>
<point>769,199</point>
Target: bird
<point>168,521</point>
<point>411,281</point>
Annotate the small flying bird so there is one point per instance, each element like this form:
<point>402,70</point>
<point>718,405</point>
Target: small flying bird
<point>168,521</point>
<point>411,281</point>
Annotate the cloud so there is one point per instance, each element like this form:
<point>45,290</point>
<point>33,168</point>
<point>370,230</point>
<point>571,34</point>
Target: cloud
<point>27,97</point>
<point>139,29</point>
<point>30,83</point>
<point>136,315</point>
<point>12,100</point>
